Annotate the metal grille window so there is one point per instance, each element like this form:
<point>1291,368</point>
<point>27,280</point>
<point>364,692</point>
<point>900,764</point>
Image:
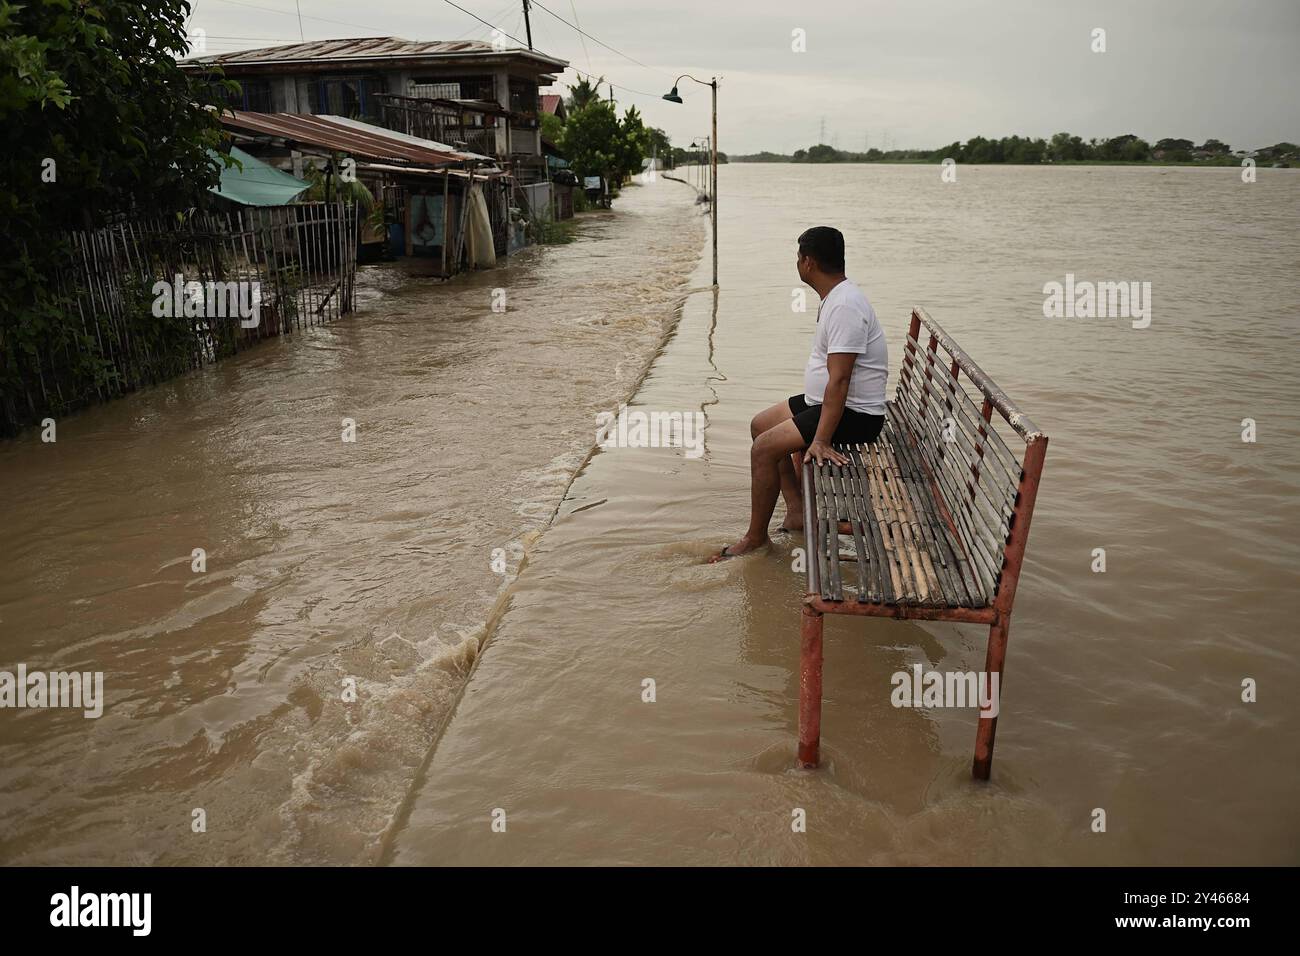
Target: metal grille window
<point>253,96</point>
<point>523,96</point>
<point>455,88</point>
<point>350,96</point>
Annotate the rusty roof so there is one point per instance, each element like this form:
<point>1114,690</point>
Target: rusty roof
<point>364,48</point>
<point>370,143</point>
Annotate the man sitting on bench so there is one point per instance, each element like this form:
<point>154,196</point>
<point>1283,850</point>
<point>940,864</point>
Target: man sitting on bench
<point>844,392</point>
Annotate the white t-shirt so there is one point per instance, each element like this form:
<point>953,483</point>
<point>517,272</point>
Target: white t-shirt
<point>846,322</point>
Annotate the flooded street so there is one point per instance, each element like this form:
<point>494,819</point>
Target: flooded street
<point>372,561</point>
<point>1123,688</point>
<point>326,561</point>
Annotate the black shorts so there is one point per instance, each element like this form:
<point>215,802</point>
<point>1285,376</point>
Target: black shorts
<point>855,428</point>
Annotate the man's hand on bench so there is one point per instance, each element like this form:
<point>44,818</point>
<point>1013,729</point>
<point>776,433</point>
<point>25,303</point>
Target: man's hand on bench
<point>821,452</point>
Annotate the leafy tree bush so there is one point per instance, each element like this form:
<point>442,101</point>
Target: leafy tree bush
<point>98,121</point>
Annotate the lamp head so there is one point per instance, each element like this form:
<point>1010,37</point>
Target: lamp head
<point>672,96</point>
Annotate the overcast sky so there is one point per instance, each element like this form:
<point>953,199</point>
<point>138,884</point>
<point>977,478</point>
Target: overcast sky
<point>905,72</point>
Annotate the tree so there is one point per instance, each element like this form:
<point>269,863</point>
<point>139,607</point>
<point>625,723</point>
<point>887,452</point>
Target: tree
<point>1173,150</point>
<point>659,144</point>
<point>631,147</point>
<point>98,92</point>
<point>552,127</point>
<point>821,153</point>
<point>590,138</point>
<point>1066,148</point>
<point>1127,148</point>
<point>98,119</point>
<point>583,93</point>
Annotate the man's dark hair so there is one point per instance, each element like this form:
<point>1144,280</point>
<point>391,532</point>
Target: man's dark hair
<point>825,246</point>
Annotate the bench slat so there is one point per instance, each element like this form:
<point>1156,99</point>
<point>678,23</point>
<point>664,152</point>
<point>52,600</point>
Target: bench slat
<point>943,562</point>
<point>993,518</point>
<point>880,589</point>
<point>822,557</point>
<point>844,479</point>
<point>970,410</point>
<point>997,482</point>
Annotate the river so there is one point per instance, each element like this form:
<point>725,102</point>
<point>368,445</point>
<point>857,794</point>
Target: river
<point>1123,689</point>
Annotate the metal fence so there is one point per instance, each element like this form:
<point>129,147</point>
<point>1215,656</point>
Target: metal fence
<point>148,299</point>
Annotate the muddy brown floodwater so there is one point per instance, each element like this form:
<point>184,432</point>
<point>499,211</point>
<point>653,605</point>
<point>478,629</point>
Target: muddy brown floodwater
<point>370,561</point>
<point>1123,689</point>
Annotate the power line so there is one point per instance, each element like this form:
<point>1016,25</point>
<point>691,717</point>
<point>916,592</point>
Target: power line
<point>469,13</point>
<point>291,13</point>
<point>596,39</point>
<point>626,89</point>
<point>573,5</point>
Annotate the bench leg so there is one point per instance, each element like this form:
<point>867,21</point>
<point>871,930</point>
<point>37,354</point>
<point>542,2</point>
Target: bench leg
<point>994,659</point>
<point>810,688</point>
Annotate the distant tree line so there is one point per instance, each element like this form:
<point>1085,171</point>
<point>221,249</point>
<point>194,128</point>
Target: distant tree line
<point>1061,148</point>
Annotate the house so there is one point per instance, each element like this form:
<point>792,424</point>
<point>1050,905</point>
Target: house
<point>467,94</point>
<point>438,204</point>
<point>553,103</point>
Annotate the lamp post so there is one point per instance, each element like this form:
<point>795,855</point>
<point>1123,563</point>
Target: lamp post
<point>702,144</point>
<point>672,97</point>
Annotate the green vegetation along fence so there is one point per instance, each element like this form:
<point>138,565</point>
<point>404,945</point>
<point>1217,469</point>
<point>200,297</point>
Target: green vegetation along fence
<point>142,301</point>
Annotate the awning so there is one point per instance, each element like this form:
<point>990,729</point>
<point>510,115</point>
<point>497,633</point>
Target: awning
<point>257,184</point>
<point>360,141</point>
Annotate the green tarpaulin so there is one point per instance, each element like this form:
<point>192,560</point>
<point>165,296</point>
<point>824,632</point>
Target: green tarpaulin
<point>257,184</point>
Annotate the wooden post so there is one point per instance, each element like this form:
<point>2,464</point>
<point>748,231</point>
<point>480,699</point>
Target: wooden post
<point>810,687</point>
<point>446,217</point>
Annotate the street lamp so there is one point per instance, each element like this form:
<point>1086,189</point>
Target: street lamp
<point>702,144</point>
<point>673,97</point>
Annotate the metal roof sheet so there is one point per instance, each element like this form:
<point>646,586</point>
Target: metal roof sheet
<point>407,138</point>
<point>367,143</point>
<point>363,48</point>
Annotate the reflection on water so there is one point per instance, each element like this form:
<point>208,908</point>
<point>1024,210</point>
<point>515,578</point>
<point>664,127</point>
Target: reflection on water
<point>1122,690</point>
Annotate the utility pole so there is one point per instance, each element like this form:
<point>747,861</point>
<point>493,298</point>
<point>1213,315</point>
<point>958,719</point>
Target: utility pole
<point>822,137</point>
<point>713,182</point>
<point>528,25</point>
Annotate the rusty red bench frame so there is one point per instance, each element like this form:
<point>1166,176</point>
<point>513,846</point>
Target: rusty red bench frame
<point>996,614</point>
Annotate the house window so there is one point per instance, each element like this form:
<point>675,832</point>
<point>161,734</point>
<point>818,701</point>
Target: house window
<point>350,96</point>
<point>455,88</point>
<point>253,96</point>
<point>523,96</point>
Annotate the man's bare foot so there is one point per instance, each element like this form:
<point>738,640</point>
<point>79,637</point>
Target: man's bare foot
<point>743,546</point>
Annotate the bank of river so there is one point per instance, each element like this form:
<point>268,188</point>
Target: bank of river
<point>1123,690</point>
<point>328,563</point>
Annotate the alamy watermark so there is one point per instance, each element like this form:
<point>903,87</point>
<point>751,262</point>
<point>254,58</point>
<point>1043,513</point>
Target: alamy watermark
<point>40,689</point>
<point>922,688</point>
<point>1091,300</point>
<point>75,908</point>
<point>635,428</point>
<point>176,298</point>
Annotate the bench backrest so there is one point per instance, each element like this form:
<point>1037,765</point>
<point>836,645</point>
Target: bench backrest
<point>985,487</point>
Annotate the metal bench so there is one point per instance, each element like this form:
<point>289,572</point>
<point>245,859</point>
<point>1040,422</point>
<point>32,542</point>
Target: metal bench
<point>938,508</point>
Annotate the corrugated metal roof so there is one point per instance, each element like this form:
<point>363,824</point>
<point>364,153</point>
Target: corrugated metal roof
<point>407,138</point>
<point>362,48</point>
<point>369,143</point>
